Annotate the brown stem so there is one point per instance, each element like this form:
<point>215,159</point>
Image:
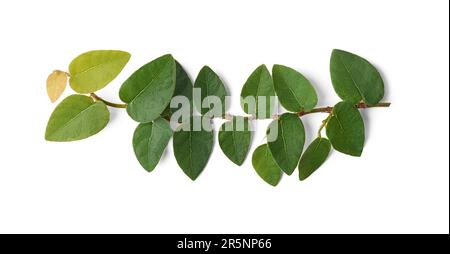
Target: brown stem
<point>111,104</point>
<point>227,116</point>
<point>359,105</point>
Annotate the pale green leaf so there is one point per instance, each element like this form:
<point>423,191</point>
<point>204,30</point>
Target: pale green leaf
<point>76,117</point>
<point>93,70</point>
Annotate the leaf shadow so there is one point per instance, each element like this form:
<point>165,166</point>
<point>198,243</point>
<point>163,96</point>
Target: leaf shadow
<point>310,133</point>
<point>166,151</point>
<point>330,155</point>
<point>113,114</point>
<point>386,84</point>
<point>321,95</point>
<point>366,119</point>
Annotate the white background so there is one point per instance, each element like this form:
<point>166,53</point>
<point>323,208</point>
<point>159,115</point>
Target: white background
<point>399,185</point>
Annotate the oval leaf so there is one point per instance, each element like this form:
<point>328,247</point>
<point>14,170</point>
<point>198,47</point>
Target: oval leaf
<point>149,89</point>
<point>355,79</point>
<point>150,141</point>
<point>294,91</point>
<point>259,87</point>
<point>211,85</point>
<point>192,146</point>
<point>314,156</point>
<point>93,70</point>
<point>287,146</point>
<point>56,84</point>
<point>345,129</point>
<point>76,117</point>
<point>234,139</point>
<point>265,166</point>
<point>183,87</point>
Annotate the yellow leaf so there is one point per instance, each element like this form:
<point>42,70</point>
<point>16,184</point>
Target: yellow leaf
<point>56,84</point>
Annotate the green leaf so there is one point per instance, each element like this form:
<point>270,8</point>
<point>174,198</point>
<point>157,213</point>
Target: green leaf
<point>211,85</point>
<point>355,79</point>
<point>294,91</point>
<point>314,156</point>
<point>265,165</point>
<point>259,86</point>
<point>93,70</point>
<point>286,145</point>
<point>183,87</point>
<point>345,129</point>
<point>149,89</point>
<point>76,117</point>
<point>150,141</point>
<point>192,145</point>
<point>234,139</point>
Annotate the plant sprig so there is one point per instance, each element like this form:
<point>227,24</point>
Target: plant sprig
<point>161,92</point>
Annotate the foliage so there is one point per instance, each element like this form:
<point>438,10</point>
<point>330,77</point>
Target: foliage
<point>147,94</point>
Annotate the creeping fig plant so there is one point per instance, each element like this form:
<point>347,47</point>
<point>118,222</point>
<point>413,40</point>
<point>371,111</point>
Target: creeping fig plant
<point>157,94</point>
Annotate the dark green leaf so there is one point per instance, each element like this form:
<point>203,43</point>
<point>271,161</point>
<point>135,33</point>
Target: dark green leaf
<point>294,91</point>
<point>355,79</point>
<point>234,139</point>
<point>259,86</point>
<point>314,156</point>
<point>183,87</point>
<point>149,89</point>
<point>211,85</point>
<point>345,129</point>
<point>76,117</point>
<point>192,145</point>
<point>265,165</point>
<point>150,141</point>
<point>93,70</point>
<point>286,144</point>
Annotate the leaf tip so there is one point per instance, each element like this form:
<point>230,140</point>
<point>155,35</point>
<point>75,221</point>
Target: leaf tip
<point>288,172</point>
<point>274,184</point>
<point>238,162</point>
<point>193,177</point>
<point>338,51</point>
<point>262,66</point>
<point>46,137</point>
<point>205,68</point>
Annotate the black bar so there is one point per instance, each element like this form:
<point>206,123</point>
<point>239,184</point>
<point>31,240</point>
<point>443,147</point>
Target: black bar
<point>204,243</point>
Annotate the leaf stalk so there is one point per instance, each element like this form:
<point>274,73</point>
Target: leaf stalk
<point>111,104</point>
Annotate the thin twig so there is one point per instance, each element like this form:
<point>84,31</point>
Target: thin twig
<point>228,116</point>
<point>111,104</point>
<point>359,105</point>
